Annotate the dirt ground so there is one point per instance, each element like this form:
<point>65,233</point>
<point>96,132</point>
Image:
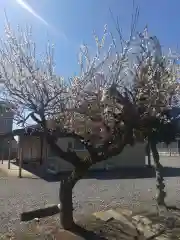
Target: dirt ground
<point>89,228</point>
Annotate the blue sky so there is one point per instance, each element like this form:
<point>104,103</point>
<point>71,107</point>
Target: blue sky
<point>69,23</point>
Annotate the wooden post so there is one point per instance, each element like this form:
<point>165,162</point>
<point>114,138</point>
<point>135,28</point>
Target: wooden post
<point>2,157</point>
<point>18,151</point>
<point>31,151</point>
<point>20,163</point>
<point>2,154</point>
<point>9,155</point>
<point>148,152</point>
<point>41,139</point>
<point>178,143</point>
<point>44,155</point>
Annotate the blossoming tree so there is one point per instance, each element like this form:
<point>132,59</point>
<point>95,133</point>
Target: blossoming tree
<point>105,108</point>
<point>77,106</point>
<point>151,82</point>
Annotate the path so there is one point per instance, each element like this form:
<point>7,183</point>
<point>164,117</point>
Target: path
<point>14,170</point>
<point>17,195</point>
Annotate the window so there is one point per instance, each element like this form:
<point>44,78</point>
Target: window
<point>78,145</point>
<point>70,145</point>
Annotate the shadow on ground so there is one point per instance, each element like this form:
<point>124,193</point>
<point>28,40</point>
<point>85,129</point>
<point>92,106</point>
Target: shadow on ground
<point>121,173</point>
<point>87,234</point>
<point>51,230</point>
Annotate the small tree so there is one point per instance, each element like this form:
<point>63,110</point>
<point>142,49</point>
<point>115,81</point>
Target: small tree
<point>157,82</point>
<point>153,83</point>
<point>78,107</point>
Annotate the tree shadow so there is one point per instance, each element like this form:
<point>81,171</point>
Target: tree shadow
<point>86,234</point>
<point>173,207</point>
<point>118,173</point>
<point>134,173</point>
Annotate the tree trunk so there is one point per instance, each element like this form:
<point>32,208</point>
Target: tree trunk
<point>161,194</point>
<point>65,197</point>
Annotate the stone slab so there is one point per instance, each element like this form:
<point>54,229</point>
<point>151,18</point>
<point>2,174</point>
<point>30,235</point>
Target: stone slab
<point>131,227</point>
<point>142,219</point>
<point>40,213</point>
<point>103,215</point>
<point>125,212</point>
<point>162,238</point>
<point>127,226</point>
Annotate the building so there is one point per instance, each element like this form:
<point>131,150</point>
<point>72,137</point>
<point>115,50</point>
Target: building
<point>35,149</point>
<point>6,125</point>
<point>6,118</point>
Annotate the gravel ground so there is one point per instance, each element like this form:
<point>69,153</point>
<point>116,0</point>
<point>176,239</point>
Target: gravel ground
<point>18,195</point>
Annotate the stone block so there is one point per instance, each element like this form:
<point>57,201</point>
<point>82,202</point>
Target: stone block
<point>103,215</point>
<point>125,224</point>
<point>142,219</point>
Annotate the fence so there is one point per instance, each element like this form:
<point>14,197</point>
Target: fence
<point>169,150</point>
